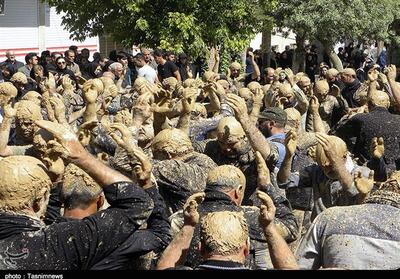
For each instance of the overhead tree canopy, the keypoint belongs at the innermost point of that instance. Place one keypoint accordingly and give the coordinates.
(331, 22)
(180, 25)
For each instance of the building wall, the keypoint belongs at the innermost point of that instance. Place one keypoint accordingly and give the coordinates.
(20, 30)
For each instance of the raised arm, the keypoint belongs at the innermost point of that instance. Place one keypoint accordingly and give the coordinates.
(256, 138)
(176, 252)
(75, 152)
(290, 145)
(281, 256)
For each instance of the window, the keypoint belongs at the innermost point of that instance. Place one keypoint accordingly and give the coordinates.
(2, 7)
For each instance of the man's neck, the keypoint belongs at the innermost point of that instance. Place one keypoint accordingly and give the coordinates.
(78, 213)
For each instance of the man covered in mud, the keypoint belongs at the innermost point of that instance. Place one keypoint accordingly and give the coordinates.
(25, 186)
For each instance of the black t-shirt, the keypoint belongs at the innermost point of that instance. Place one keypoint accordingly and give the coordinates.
(167, 70)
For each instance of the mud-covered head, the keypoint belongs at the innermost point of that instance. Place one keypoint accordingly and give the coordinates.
(293, 119)
(324, 162)
(285, 90)
(171, 143)
(378, 99)
(321, 90)
(224, 233)
(209, 76)
(331, 75)
(24, 185)
(79, 190)
(199, 111)
(227, 179)
(253, 86)
(140, 84)
(235, 69)
(7, 92)
(33, 96)
(231, 137)
(27, 113)
(19, 79)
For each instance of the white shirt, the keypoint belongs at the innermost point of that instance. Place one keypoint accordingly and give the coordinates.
(148, 73)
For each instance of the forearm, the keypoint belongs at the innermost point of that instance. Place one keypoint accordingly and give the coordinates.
(395, 87)
(318, 124)
(285, 170)
(100, 172)
(281, 256)
(184, 122)
(256, 73)
(215, 104)
(175, 253)
(76, 115)
(216, 67)
(255, 112)
(90, 113)
(4, 136)
(345, 178)
(256, 138)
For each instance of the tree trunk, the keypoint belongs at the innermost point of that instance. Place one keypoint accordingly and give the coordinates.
(266, 48)
(335, 60)
(299, 55)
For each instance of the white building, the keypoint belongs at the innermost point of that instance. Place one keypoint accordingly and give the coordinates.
(31, 26)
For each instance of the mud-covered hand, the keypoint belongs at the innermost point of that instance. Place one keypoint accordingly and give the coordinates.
(291, 142)
(364, 185)
(59, 109)
(126, 140)
(391, 72)
(329, 148)
(190, 214)
(314, 105)
(267, 209)
(263, 173)
(72, 148)
(377, 148)
(9, 111)
(238, 105)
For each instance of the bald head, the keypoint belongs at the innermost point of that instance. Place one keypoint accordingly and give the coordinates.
(224, 233)
(230, 127)
(379, 99)
(225, 178)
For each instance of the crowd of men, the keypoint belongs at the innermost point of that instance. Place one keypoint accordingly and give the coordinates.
(145, 162)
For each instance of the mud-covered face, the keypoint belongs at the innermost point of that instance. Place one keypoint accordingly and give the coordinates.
(233, 146)
(25, 128)
(146, 132)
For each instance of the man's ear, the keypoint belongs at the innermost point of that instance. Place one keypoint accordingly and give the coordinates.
(239, 191)
(100, 202)
(247, 247)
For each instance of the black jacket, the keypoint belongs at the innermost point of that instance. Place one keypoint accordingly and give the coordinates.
(27, 244)
(362, 128)
(155, 237)
(348, 93)
(217, 201)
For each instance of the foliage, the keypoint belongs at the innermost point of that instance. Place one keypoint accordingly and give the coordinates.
(192, 26)
(334, 21)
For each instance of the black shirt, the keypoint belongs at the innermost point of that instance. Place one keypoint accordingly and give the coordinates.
(167, 70)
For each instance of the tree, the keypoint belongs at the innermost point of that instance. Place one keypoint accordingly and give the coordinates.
(179, 25)
(331, 22)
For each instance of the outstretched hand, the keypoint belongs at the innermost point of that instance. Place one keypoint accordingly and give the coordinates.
(71, 147)
(191, 215)
(377, 148)
(267, 209)
(263, 173)
(364, 185)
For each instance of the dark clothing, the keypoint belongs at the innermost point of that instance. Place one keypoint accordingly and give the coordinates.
(183, 71)
(245, 162)
(179, 179)
(27, 244)
(364, 127)
(311, 65)
(220, 265)
(167, 70)
(217, 201)
(16, 65)
(348, 93)
(155, 237)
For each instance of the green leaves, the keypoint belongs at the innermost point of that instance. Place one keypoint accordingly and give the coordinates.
(192, 26)
(334, 21)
